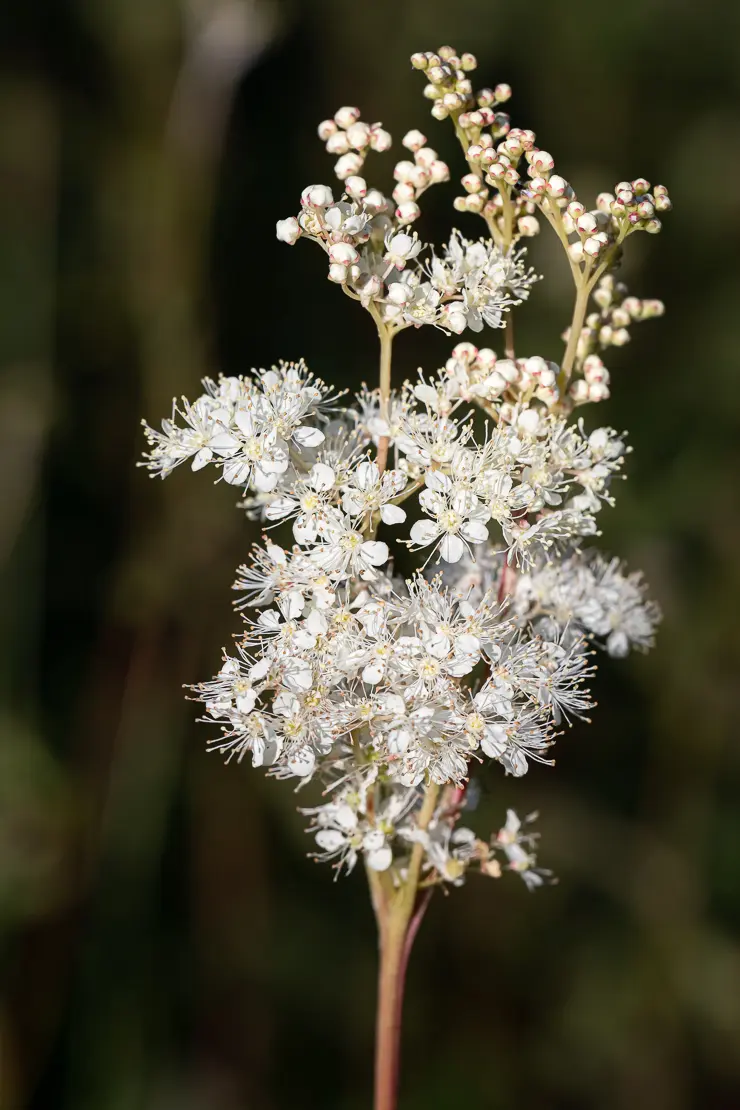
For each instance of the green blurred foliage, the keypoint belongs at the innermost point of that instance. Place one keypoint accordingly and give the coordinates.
(165, 943)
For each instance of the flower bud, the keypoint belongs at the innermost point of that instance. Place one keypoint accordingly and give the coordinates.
(599, 391)
(346, 116)
(511, 176)
(454, 318)
(398, 293)
(425, 156)
(439, 171)
(317, 196)
(338, 143)
(358, 135)
(645, 209)
(452, 101)
(579, 391)
(502, 92)
(663, 202)
(404, 170)
(372, 288)
(439, 111)
(595, 244)
(468, 62)
(419, 61)
(438, 75)
(653, 227)
(414, 140)
(528, 422)
(475, 202)
(640, 186)
(375, 201)
(403, 191)
(542, 160)
(575, 252)
(288, 231)
(356, 186)
(380, 140)
(349, 165)
(338, 273)
(407, 212)
(528, 226)
(620, 337)
(472, 183)
(557, 186)
(460, 204)
(430, 92)
(652, 308)
(604, 202)
(486, 98)
(586, 224)
(343, 253)
(464, 88)
(326, 128)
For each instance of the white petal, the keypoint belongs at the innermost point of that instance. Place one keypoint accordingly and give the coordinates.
(367, 475)
(245, 702)
(392, 514)
(474, 532)
(424, 532)
(244, 422)
(308, 437)
(297, 675)
(331, 840)
(202, 458)
(322, 476)
(379, 860)
(452, 549)
(375, 552)
(302, 763)
(436, 480)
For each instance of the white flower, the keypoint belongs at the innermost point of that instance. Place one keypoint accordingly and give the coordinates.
(368, 491)
(459, 519)
(288, 231)
(401, 248)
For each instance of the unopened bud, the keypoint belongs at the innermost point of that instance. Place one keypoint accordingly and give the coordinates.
(439, 111)
(404, 191)
(557, 186)
(346, 116)
(288, 231)
(586, 224)
(502, 92)
(407, 212)
(472, 183)
(337, 143)
(640, 186)
(653, 227)
(356, 187)
(349, 165)
(542, 160)
(419, 61)
(439, 171)
(528, 226)
(380, 140)
(358, 135)
(343, 253)
(326, 128)
(414, 140)
(338, 273)
(468, 62)
(486, 98)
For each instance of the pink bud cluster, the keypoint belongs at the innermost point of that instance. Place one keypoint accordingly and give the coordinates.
(352, 140)
(412, 178)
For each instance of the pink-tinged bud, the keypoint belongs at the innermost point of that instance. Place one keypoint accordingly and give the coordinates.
(575, 252)
(502, 92)
(468, 62)
(594, 369)
(399, 293)
(486, 98)
(317, 196)
(620, 337)
(326, 128)
(652, 308)
(453, 102)
(403, 171)
(288, 231)
(414, 140)
(476, 202)
(475, 119)
(472, 183)
(372, 287)
(464, 88)
(511, 176)
(430, 92)
(439, 171)
(349, 165)
(653, 227)
(604, 202)
(439, 75)
(595, 244)
(487, 118)
(625, 196)
(419, 177)
(488, 156)
(407, 212)
(557, 186)
(538, 186)
(380, 140)
(454, 318)
(663, 203)
(344, 253)
(621, 317)
(576, 209)
(463, 352)
(375, 201)
(419, 61)
(579, 391)
(528, 226)
(439, 111)
(425, 156)
(617, 208)
(640, 185)
(338, 273)
(599, 391)
(338, 143)
(346, 116)
(404, 191)
(358, 135)
(633, 306)
(645, 209)
(460, 204)
(542, 161)
(356, 187)
(586, 224)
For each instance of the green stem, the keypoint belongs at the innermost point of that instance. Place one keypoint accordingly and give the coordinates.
(386, 349)
(576, 327)
(397, 926)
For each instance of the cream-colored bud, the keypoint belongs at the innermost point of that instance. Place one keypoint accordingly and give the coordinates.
(356, 186)
(460, 204)
(288, 231)
(620, 337)
(338, 143)
(425, 156)
(414, 140)
(586, 224)
(403, 191)
(476, 202)
(486, 98)
(439, 171)
(380, 140)
(452, 101)
(502, 92)
(653, 227)
(528, 226)
(407, 212)
(343, 253)
(439, 111)
(645, 209)
(346, 116)
(557, 186)
(338, 273)
(431, 92)
(326, 128)
(464, 88)
(358, 135)
(472, 183)
(419, 61)
(404, 170)
(542, 160)
(349, 165)
(575, 251)
(604, 201)
(468, 62)
(640, 185)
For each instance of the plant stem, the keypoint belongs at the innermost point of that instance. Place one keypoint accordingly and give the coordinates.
(576, 327)
(386, 347)
(399, 918)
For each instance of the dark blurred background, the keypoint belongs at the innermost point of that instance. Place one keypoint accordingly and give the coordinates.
(164, 942)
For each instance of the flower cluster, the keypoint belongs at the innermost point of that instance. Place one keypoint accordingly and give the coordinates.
(389, 682)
